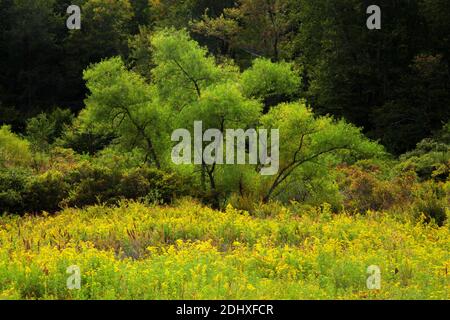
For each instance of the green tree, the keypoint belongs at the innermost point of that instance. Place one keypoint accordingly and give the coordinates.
(270, 82)
(306, 140)
(359, 74)
(419, 107)
(141, 57)
(106, 26)
(43, 130)
(179, 13)
(222, 107)
(183, 68)
(121, 100)
(194, 87)
(187, 85)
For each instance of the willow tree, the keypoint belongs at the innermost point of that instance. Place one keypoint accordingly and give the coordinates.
(309, 143)
(121, 100)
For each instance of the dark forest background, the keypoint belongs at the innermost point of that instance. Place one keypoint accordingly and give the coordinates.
(393, 82)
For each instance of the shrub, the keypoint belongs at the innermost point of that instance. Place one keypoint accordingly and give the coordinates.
(365, 187)
(12, 186)
(242, 202)
(69, 181)
(430, 160)
(92, 184)
(270, 209)
(14, 151)
(85, 139)
(45, 192)
(44, 129)
(431, 201)
(150, 182)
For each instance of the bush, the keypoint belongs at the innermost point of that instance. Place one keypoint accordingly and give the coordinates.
(14, 151)
(242, 202)
(366, 187)
(92, 184)
(430, 160)
(69, 181)
(85, 140)
(45, 192)
(150, 182)
(12, 186)
(44, 129)
(431, 201)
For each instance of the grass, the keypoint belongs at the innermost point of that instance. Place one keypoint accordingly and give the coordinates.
(192, 252)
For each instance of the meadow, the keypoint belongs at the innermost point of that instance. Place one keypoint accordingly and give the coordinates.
(188, 251)
(100, 198)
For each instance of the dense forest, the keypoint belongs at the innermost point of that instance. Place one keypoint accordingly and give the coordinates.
(87, 122)
(393, 82)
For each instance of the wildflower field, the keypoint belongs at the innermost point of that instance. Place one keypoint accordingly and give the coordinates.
(189, 251)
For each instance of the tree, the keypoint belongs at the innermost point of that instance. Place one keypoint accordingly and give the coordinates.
(222, 107)
(179, 13)
(188, 86)
(106, 26)
(141, 57)
(187, 81)
(122, 100)
(419, 107)
(270, 82)
(309, 140)
(43, 130)
(183, 68)
(257, 27)
(358, 74)
(30, 80)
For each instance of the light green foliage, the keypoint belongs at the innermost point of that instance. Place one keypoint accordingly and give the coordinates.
(187, 85)
(14, 151)
(183, 68)
(222, 107)
(318, 141)
(268, 81)
(193, 87)
(122, 100)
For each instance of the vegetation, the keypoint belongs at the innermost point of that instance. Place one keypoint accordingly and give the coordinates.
(86, 146)
(192, 252)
